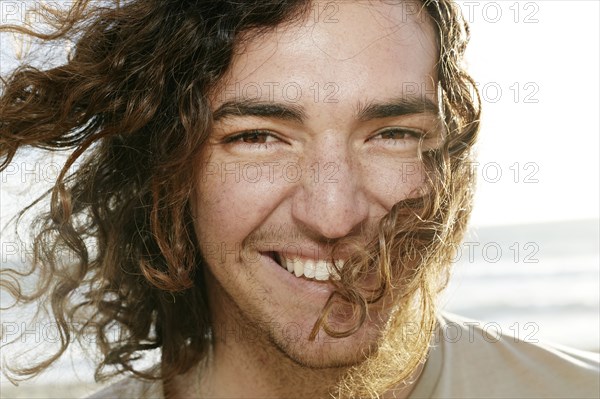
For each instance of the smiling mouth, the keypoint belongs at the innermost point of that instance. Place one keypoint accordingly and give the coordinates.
(314, 269)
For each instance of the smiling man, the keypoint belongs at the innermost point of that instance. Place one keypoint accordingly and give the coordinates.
(289, 171)
(269, 192)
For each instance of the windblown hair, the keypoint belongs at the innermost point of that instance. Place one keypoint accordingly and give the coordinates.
(131, 105)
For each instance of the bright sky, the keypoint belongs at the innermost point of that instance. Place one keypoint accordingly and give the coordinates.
(537, 63)
(544, 123)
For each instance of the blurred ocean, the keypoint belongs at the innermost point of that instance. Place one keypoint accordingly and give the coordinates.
(535, 282)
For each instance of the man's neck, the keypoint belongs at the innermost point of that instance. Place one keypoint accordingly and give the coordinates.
(244, 369)
(257, 368)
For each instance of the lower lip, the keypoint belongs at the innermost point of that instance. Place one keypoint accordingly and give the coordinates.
(300, 283)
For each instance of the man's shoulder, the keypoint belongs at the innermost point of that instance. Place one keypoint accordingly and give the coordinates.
(473, 340)
(130, 387)
(480, 359)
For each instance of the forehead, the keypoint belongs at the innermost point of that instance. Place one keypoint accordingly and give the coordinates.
(353, 50)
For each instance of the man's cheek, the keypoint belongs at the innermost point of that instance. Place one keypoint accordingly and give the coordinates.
(210, 251)
(223, 253)
(410, 173)
(224, 259)
(210, 170)
(398, 181)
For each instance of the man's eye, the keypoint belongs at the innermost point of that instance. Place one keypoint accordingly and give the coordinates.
(252, 137)
(399, 134)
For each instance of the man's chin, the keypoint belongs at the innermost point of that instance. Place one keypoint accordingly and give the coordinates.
(330, 353)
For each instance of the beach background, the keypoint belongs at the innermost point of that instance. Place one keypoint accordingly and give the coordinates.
(529, 266)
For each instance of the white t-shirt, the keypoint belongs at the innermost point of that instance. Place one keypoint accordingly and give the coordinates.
(468, 359)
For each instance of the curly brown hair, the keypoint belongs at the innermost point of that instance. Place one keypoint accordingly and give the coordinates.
(131, 104)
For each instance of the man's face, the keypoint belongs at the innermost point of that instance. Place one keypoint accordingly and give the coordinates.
(315, 138)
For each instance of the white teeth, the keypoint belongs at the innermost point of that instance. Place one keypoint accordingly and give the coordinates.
(321, 272)
(298, 267)
(309, 268)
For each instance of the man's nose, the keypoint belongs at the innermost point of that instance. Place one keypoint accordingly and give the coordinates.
(331, 201)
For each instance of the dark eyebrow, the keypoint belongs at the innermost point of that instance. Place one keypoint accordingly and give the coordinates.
(400, 106)
(289, 112)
